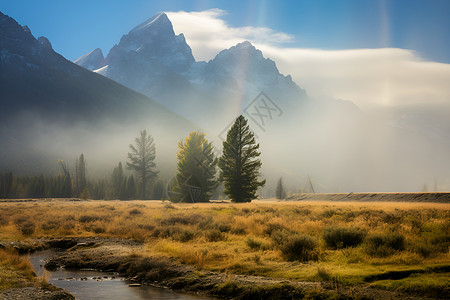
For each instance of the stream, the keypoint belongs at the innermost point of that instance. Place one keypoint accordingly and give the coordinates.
(89, 284)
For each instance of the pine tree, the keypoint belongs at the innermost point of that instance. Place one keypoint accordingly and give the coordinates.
(159, 190)
(65, 184)
(116, 180)
(80, 175)
(196, 175)
(239, 164)
(98, 189)
(123, 189)
(142, 160)
(6, 182)
(131, 188)
(280, 192)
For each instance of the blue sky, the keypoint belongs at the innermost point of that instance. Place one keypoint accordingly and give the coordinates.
(77, 27)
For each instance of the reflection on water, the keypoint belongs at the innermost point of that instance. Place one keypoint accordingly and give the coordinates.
(100, 285)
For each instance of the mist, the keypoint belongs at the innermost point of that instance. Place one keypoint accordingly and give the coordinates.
(54, 109)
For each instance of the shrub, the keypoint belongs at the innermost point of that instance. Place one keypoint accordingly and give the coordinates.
(253, 244)
(385, 244)
(295, 246)
(238, 229)
(323, 273)
(182, 219)
(27, 228)
(436, 236)
(50, 224)
(88, 218)
(4, 220)
(328, 213)
(423, 250)
(185, 236)
(95, 228)
(135, 212)
(271, 227)
(223, 227)
(340, 237)
(214, 235)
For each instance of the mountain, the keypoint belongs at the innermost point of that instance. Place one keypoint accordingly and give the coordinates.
(330, 140)
(243, 69)
(92, 60)
(52, 108)
(153, 60)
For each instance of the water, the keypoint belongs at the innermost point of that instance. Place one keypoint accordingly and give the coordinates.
(87, 284)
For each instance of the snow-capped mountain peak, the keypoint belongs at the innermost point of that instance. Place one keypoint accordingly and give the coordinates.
(244, 68)
(92, 60)
(158, 20)
(155, 39)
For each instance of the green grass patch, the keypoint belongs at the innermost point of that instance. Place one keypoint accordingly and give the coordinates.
(434, 285)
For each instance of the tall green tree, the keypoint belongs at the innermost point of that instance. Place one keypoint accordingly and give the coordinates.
(280, 192)
(65, 181)
(239, 164)
(131, 188)
(6, 183)
(117, 178)
(197, 164)
(142, 160)
(80, 175)
(123, 193)
(159, 191)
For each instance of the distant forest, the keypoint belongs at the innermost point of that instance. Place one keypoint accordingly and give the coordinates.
(197, 179)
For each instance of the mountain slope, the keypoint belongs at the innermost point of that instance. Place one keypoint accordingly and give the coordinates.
(50, 106)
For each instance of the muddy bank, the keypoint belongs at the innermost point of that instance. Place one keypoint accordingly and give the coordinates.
(35, 293)
(381, 197)
(121, 256)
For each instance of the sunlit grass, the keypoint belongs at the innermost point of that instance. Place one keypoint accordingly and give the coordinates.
(15, 271)
(249, 238)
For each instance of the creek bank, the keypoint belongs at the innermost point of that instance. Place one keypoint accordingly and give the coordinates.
(116, 255)
(120, 256)
(36, 293)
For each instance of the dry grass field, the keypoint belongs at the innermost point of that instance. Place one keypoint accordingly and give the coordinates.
(387, 245)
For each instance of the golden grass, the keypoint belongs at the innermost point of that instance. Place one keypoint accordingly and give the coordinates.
(15, 271)
(214, 236)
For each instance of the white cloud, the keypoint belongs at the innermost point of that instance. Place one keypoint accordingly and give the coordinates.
(368, 77)
(208, 34)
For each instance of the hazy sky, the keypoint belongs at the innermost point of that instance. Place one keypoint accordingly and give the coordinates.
(77, 26)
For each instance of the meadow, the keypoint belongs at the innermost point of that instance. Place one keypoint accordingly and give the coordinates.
(398, 246)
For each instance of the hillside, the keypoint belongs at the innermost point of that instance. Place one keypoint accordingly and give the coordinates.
(51, 108)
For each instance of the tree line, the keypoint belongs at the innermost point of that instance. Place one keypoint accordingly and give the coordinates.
(200, 172)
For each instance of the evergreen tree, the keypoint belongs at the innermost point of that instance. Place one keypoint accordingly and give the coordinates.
(116, 180)
(142, 160)
(280, 192)
(239, 164)
(80, 175)
(123, 189)
(6, 183)
(196, 169)
(131, 188)
(98, 189)
(65, 184)
(159, 190)
(40, 186)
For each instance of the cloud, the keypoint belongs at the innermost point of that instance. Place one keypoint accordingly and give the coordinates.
(369, 77)
(385, 77)
(207, 33)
